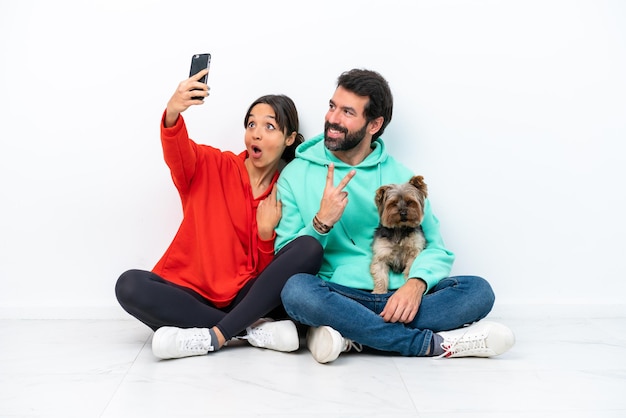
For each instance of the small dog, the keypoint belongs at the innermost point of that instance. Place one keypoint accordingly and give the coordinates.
(399, 237)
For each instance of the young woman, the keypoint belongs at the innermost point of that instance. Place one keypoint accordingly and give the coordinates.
(219, 279)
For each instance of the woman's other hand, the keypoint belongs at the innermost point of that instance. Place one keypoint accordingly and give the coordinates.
(268, 215)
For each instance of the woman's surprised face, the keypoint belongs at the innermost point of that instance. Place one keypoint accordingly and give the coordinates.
(265, 140)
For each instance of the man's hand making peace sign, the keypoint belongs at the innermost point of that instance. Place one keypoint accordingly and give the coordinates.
(334, 199)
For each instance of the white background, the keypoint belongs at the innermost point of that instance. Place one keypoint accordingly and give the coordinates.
(514, 111)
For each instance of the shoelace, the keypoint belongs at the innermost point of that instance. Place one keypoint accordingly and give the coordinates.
(477, 343)
(349, 345)
(196, 342)
(261, 336)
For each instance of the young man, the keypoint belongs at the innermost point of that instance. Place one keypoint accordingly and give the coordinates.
(328, 192)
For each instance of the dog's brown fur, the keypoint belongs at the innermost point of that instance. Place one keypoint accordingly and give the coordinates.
(399, 238)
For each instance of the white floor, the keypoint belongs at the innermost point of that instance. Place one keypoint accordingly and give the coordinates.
(560, 367)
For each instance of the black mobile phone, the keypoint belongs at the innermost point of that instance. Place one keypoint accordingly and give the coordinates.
(198, 63)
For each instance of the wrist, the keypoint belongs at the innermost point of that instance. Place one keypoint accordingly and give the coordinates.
(170, 119)
(418, 281)
(321, 227)
(266, 235)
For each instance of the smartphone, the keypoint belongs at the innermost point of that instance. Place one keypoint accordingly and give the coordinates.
(198, 63)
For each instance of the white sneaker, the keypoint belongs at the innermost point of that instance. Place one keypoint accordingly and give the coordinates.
(482, 339)
(172, 342)
(275, 335)
(325, 344)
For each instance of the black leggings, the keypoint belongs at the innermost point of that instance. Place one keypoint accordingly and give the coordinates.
(157, 302)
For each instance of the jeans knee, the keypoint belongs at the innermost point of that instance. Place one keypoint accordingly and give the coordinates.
(486, 291)
(294, 290)
(287, 293)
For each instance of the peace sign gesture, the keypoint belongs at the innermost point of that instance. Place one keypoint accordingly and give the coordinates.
(334, 199)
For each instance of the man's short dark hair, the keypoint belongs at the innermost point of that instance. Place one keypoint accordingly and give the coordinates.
(367, 83)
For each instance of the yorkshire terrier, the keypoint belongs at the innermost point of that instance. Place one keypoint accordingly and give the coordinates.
(399, 237)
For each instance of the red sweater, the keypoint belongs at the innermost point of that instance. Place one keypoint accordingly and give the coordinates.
(216, 249)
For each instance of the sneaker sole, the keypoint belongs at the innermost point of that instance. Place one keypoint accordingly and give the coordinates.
(324, 337)
(159, 349)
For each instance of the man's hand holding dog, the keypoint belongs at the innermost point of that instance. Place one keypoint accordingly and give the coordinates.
(403, 305)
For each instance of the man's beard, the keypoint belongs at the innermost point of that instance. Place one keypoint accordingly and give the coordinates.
(351, 140)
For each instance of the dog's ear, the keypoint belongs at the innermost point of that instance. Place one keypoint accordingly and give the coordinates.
(380, 196)
(418, 183)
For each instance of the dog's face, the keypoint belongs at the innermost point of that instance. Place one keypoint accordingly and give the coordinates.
(402, 204)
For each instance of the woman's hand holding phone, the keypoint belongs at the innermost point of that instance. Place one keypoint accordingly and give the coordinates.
(191, 91)
(199, 63)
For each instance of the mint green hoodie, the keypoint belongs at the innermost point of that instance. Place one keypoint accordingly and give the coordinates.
(347, 247)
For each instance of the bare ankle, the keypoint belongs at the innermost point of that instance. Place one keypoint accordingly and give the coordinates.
(220, 337)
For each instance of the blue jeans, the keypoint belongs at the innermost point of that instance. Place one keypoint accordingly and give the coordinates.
(452, 303)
